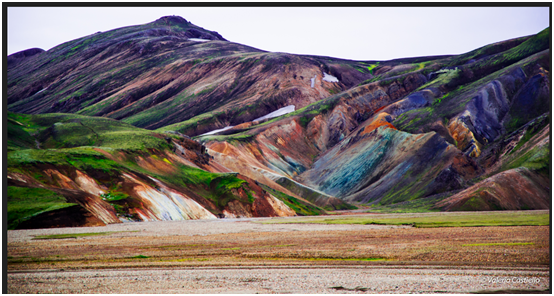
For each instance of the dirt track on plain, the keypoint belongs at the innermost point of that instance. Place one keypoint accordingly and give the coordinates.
(246, 256)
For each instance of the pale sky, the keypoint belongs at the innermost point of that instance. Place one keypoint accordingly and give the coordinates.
(358, 33)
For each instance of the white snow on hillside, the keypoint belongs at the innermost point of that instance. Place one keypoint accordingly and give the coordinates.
(218, 130)
(276, 113)
(330, 78)
(199, 39)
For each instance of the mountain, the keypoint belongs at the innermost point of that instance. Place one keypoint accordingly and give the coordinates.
(99, 129)
(417, 130)
(74, 170)
(154, 75)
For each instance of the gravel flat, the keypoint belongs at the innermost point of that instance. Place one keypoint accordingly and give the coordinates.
(278, 280)
(190, 227)
(247, 256)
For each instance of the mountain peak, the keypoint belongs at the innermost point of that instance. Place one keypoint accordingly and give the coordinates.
(191, 30)
(174, 19)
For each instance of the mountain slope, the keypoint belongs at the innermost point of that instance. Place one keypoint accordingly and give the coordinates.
(274, 134)
(354, 145)
(155, 74)
(73, 170)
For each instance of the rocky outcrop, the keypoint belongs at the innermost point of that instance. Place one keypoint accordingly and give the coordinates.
(496, 107)
(485, 112)
(464, 138)
(531, 99)
(162, 202)
(527, 146)
(319, 133)
(480, 123)
(416, 100)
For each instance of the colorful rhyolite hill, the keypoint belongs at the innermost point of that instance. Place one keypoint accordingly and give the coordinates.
(169, 121)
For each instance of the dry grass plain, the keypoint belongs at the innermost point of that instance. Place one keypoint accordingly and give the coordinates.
(228, 246)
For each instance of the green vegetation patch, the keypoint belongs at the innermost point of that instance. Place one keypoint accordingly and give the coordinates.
(58, 130)
(444, 76)
(498, 244)
(188, 175)
(193, 122)
(141, 257)
(240, 137)
(526, 218)
(533, 45)
(104, 133)
(222, 186)
(216, 187)
(537, 159)
(229, 182)
(132, 140)
(490, 49)
(345, 259)
(113, 196)
(179, 96)
(278, 246)
(529, 133)
(18, 137)
(371, 67)
(82, 158)
(420, 205)
(25, 203)
(366, 259)
(70, 235)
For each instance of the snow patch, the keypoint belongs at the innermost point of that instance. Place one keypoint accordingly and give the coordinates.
(218, 130)
(313, 81)
(199, 39)
(38, 92)
(277, 113)
(329, 78)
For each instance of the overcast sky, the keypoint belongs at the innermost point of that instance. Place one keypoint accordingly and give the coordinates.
(360, 33)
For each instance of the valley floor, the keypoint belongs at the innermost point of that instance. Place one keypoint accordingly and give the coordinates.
(265, 255)
(269, 280)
